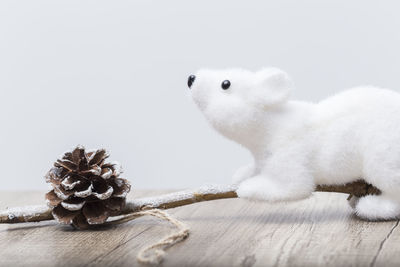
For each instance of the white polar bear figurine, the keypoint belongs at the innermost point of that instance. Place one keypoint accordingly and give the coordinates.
(296, 145)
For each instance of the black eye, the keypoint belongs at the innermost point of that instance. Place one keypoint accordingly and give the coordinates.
(191, 80)
(226, 84)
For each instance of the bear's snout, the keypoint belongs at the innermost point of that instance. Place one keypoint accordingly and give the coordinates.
(191, 80)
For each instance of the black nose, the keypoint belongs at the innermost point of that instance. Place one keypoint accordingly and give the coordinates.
(191, 80)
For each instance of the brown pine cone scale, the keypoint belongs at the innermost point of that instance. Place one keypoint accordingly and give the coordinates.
(86, 189)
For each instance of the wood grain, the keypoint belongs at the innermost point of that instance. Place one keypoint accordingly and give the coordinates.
(320, 230)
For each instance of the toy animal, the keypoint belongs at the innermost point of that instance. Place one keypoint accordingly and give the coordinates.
(297, 145)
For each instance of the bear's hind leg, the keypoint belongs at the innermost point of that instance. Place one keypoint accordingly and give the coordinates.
(378, 207)
(381, 168)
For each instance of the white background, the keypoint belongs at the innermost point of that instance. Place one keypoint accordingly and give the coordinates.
(113, 74)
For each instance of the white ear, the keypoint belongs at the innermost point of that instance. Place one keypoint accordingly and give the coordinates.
(273, 87)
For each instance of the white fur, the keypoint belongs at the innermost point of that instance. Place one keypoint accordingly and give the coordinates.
(296, 145)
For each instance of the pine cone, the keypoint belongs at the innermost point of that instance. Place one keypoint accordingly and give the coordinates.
(86, 190)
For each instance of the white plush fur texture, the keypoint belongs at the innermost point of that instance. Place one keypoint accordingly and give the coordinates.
(296, 145)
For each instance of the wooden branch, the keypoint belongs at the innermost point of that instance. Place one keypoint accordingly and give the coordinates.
(178, 199)
(26, 214)
(358, 189)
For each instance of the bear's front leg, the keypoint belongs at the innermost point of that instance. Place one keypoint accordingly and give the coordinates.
(279, 180)
(243, 173)
(266, 189)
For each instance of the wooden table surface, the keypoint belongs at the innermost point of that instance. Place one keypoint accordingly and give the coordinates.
(233, 232)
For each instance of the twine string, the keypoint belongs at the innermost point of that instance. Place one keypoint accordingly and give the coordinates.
(154, 254)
